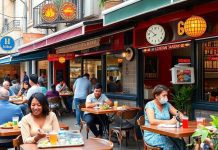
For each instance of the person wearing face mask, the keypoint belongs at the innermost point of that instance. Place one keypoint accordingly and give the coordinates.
(157, 112)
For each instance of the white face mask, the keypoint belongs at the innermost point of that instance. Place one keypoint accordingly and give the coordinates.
(163, 100)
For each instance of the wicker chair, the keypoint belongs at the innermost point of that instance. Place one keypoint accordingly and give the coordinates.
(140, 122)
(55, 105)
(17, 142)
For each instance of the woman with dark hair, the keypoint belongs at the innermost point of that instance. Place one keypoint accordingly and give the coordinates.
(24, 89)
(52, 92)
(39, 121)
(157, 112)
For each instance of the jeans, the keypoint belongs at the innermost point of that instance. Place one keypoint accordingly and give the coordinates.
(79, 114)
(92, 120)
(24, 108)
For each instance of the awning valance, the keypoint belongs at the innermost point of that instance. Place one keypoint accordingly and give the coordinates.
(5, 59)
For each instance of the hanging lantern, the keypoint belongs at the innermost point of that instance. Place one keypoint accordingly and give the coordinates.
(61, 60)
(195, 26)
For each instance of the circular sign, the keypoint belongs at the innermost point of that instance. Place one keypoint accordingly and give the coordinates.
(7, 43)
(49, 12)
(61, 60)
(155, 34)
(68, 11)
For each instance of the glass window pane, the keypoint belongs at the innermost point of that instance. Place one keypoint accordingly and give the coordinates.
(210, 70)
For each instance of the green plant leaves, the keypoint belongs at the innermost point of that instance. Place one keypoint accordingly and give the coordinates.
(214, 121)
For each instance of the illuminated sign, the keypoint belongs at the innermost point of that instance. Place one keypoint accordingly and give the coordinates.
(68, 11)
(49, 12)
(61, 57)
(194, 26)
(184, 60)
(62, 60)
(168, 47)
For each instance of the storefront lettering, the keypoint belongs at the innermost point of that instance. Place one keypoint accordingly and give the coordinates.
(167, 47)
(56, 57)
(79, 46)
(180, 28)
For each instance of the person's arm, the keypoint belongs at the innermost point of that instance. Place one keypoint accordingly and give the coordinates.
(89, 103)
(107, 100)
(25, 132)
(154, 121)
(173, 111)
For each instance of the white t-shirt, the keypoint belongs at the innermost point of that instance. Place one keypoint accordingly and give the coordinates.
(34, 89)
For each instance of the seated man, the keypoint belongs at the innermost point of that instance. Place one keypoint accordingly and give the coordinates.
(8, 110)
(6, 85)
(93, 100)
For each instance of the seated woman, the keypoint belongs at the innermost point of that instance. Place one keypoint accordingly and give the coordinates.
(52, 92)
(39, 121)
(158, 111)
(24, 89)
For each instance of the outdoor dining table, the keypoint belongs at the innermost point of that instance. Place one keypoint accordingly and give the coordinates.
(111, 110)
(15, 132)
(90, 144)
(172, 132)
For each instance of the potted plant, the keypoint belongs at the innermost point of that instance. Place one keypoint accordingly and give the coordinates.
(182, 95)
(208, 136)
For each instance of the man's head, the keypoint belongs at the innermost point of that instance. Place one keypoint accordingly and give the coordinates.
(33, 79)
(61, 81)
(24, 72)
(6, 85)
(111, 78)
(98, 90)
(86, 75)
(4, 94)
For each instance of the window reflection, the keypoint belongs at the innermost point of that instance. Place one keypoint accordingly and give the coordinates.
(114, 73)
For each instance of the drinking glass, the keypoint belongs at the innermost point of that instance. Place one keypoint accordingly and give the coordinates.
(53, 138)
(185, 121)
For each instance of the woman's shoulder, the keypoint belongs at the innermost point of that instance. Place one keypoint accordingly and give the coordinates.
(150, 104)
(27, 118)
(51, 114)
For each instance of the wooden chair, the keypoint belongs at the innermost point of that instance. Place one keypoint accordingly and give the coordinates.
(17, 142)
(55, 105)
(83, 123)
(124, 123)
(140, 122)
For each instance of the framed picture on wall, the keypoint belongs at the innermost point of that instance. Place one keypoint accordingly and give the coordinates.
(151, 67)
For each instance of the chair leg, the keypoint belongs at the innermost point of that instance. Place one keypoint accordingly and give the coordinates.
(127, 137)
(87, 132)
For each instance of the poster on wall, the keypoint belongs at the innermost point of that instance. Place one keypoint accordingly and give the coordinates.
(182, 75)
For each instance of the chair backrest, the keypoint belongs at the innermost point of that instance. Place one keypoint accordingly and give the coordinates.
(82, 105)
(17, 142)
(54, 99)
(141, 120)
(128, 114)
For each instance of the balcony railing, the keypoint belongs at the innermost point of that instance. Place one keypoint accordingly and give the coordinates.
(14, 24)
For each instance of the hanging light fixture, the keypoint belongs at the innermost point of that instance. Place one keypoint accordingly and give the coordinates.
(195, 26)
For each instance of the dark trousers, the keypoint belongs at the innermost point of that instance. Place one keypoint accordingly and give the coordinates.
(92, 120)
(68, 101)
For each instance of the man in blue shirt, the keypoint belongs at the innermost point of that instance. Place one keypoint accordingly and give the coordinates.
(8, 110)
(82, 87)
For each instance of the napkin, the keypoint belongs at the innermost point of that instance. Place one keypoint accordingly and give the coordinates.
(167, 125)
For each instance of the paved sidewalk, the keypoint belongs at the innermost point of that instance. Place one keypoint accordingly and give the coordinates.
(70, 120)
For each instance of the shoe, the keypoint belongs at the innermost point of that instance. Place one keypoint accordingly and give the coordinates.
(77, 125)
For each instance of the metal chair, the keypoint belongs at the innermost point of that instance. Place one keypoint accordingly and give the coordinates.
(140, 122)
(55, 105)
(126, 123)
(17, 142)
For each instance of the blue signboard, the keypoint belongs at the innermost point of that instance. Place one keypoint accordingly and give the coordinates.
(7, 43)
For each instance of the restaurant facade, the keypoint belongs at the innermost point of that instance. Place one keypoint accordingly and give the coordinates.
(181, 34)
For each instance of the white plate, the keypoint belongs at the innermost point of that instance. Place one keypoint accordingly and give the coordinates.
(96, 107)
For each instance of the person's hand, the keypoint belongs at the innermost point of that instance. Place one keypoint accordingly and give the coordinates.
(40, 135)
(173, 120)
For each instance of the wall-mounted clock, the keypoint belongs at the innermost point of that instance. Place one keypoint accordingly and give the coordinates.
(155, 34)
(129, 54)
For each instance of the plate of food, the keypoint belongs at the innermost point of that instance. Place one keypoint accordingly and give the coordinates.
(8, 125)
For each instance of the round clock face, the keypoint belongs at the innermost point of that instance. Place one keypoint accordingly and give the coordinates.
(155, 34)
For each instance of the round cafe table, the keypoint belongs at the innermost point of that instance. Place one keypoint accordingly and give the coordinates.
(90, 144)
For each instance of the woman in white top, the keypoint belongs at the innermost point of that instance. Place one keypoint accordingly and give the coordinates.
(39, 121)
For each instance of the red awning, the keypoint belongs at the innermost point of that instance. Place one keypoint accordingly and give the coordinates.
(76, 30)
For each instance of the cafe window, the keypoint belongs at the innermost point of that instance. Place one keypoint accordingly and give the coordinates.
(114, 73)
(209, 54)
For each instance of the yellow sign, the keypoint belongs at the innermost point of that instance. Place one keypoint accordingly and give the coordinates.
(49, 12)
(62, 60)
(194, 26)
(68, 11)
